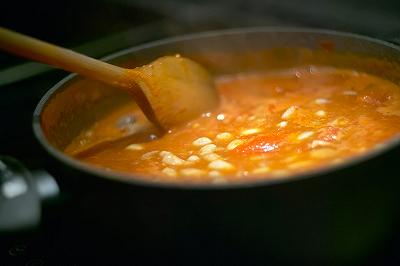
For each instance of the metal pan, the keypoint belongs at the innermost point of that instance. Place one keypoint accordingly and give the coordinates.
(334, 215)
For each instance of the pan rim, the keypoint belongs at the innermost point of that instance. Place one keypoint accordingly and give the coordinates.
(138, 180)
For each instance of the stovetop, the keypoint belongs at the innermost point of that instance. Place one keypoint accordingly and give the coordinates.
(106, 26)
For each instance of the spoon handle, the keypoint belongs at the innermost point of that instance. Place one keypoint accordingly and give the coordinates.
(66, 59)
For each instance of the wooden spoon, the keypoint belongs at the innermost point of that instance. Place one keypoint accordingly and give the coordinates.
(170, 91)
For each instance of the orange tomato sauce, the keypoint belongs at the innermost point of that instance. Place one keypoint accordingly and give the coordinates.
(268, 126)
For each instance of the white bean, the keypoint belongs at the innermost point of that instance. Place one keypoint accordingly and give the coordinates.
(289, 112)
(165, 153)
(224, 136)
(234, 143)
(149, 155)
(305, 134)
(321, 101)
(282, 124)
(320, 113)
(193, 158)
(135, 147)
(250, 131)
(316, 143)
(211, 157)
(169, 171)
(172, 159)
(192, 172)
(202, 141)
(209, 148)
(220, 165)
(220, 117)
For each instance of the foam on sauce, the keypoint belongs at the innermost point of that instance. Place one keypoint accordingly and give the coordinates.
(268, 126)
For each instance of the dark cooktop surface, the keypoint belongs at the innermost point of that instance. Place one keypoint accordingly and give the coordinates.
(101, 27)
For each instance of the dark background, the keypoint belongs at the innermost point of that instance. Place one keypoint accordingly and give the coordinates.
(98, 28)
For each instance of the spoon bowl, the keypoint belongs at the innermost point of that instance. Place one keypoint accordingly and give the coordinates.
(177, 88)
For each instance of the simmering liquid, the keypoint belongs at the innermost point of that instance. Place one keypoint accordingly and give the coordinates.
(268, 126)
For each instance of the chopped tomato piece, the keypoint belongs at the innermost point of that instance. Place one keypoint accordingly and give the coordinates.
(374, 96)
(272, 108)
(328, 134)
(261, 144)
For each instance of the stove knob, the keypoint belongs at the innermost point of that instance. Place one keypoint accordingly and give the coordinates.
(19, 200)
